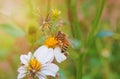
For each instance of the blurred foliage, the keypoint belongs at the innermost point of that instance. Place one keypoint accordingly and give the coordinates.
(12, 30)
(103, 58)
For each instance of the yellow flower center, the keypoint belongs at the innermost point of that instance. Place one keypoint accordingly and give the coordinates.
(34, 65)
(51, 42)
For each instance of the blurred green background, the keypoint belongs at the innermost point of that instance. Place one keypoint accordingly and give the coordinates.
(102, 61)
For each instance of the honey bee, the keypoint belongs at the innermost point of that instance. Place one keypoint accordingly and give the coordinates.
(63, 41)
(45, 23)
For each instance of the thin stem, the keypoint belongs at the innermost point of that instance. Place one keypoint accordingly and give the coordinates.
(96, 22)
(70, 16)
(73, 18)
(32, 47)
(48, 6)
(31, 7)
(88, 42)
(80, 67)
(76, 22)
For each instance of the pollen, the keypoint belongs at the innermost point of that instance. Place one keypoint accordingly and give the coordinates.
(51, 42)
(34, 65)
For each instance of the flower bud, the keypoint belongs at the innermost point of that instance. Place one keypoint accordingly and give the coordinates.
(32, 32)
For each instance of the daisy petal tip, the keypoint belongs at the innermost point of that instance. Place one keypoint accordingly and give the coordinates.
(25, 58)
(20, 76)
(61, 58)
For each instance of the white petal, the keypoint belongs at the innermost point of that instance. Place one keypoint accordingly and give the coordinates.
(41, 76)
(44, 54)
(40, 50)
(25, 58)
(21, 75)
(50, 69)
(22, 69)
(59, 56)
(22, 72)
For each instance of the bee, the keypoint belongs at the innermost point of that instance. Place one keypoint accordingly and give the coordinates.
(45, 23)
(63, 41)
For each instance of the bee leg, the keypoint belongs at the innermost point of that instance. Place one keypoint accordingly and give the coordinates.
(66, 53)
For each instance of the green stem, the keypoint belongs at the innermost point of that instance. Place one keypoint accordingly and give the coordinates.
(80, 66)
(70, 16)
(32, 47)
(89, 40)
(48, 6)
(73, 18)
(76, 22)
(31, 7)
(96, 22)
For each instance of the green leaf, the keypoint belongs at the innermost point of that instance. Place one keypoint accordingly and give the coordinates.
(12, 30)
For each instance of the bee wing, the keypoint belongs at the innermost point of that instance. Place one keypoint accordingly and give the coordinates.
(70, 42)
(75, 43)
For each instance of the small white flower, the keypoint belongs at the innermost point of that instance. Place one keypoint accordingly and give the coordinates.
(39, 64)
(51, 43)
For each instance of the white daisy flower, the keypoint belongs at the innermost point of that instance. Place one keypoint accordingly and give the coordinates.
(39, 64)
(52, 43)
